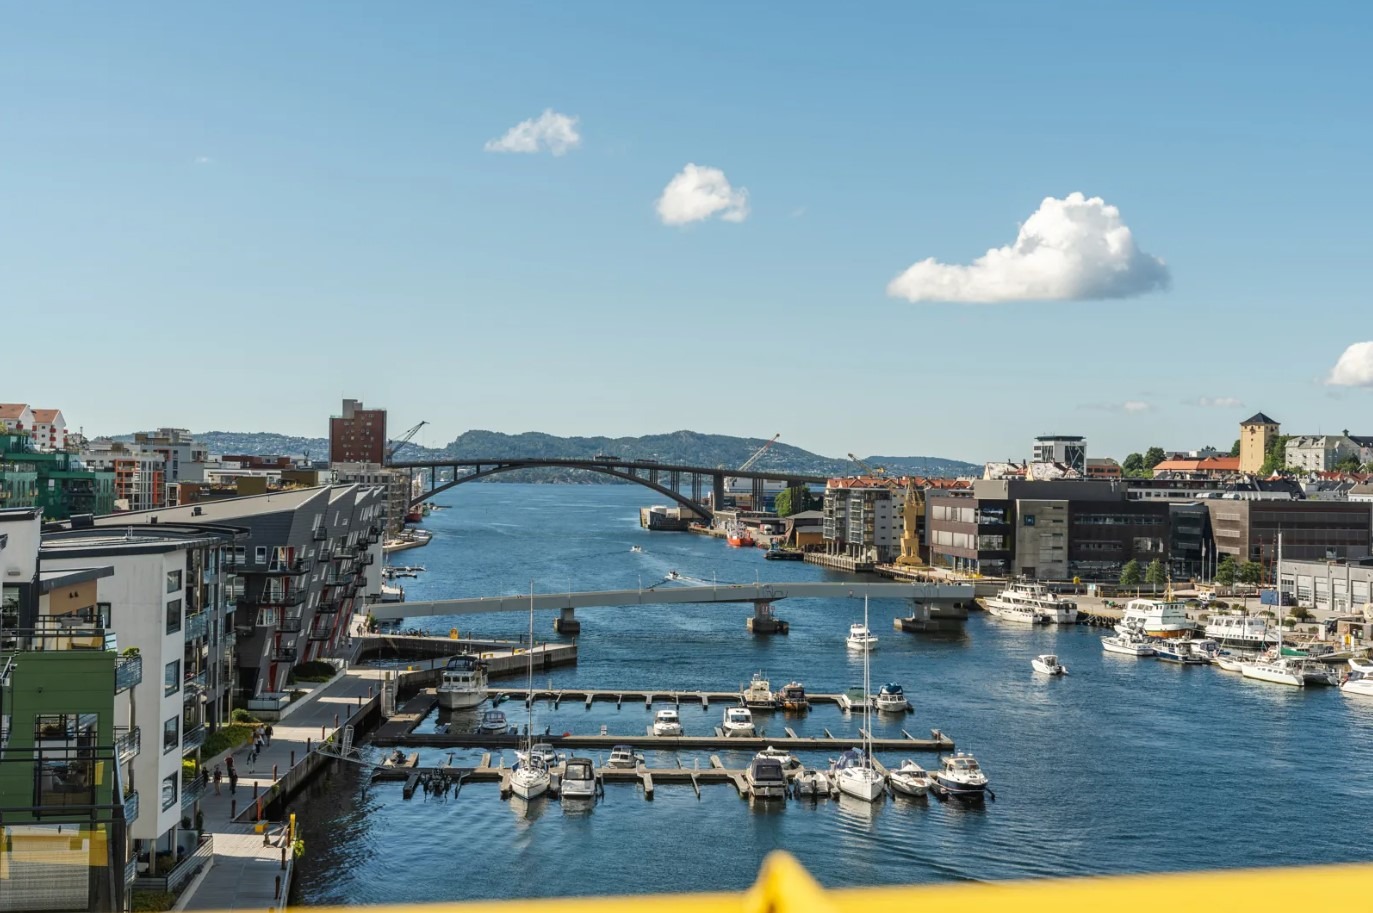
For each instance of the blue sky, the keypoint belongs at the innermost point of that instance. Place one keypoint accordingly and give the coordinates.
(232, 216)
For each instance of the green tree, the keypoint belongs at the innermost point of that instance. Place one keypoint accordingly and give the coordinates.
(1235, 450)
(1226, 572)
(1133, 465)
(1130, 576)
(1153, 456)
(1349, 464)
(1275, 457)
(1251, 572)
(792, 501)
(1154, 574)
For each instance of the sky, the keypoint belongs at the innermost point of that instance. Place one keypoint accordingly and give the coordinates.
(929, 229)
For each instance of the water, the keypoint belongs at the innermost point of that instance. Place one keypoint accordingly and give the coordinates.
(1124, 765)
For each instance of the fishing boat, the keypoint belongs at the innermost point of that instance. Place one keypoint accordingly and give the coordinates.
(739, 536)
(858, 775)
(738, 721)
(892, 698)
(960, 775)
(1048, 664)
(793, 697)
(1128, 644)
(493, 722)
(667, 723)
(1179, 651)
(531, 777)
(1031, 603)
(766, 779)
(860, 638)
(1241, 632)
(1164, 618)
(579, 780)
(758, 695)
(463, 683)
(910, 779)
(623, 757)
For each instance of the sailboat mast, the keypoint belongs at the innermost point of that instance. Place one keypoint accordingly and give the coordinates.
(867, 683)
(529, 692)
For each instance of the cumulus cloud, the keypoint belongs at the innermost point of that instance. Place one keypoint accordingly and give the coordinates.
(1355, 367)
(1074, 248)
(1217, 402)
(697, 193)
(552, 131)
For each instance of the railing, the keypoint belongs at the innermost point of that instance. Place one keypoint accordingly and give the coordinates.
(327, 607)
(289, 625)
(268, 598)
(131, 806)
(335, 578)
(130, 871)
(317, 634)
(128, 741)
(197, 625)
(191, 790)
(284, 654)
(128, 672)
(320, 533)
(199, 681)
(173, 881)
(193, 738)
(293, 568)
(367, 558)
(341, 553)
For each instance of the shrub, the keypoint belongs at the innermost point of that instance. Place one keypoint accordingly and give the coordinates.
(153, 901)
(315, 671)
(242, 716)
(189, 768)
(226, 737)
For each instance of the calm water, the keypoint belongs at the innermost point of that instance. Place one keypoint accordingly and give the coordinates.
(1124, 765)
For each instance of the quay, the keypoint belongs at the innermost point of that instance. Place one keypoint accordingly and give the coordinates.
(840, 562)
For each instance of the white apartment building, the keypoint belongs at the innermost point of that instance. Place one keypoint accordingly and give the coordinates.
(864, 518)
(1319, 453)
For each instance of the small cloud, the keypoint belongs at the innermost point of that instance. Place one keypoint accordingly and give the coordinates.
(1355, 367)
(1216, 402)
(1070, 249)
(1129, 407)
(203, 160)
(550, 130)
(1134, 405)
(697, 193)
(798, 212)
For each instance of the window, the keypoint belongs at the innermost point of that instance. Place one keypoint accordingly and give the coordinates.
(171, 734)
(260, 555)
(66, 772)
(169, 786)
(171, 678)
(174, 616)
(173, 581)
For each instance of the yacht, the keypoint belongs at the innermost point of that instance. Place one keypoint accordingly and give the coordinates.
(579, 779)
(892, 698)
(623, 757)
(1031, 603)
(463, 684)
(1229, 662)
(758, 694)
(1156, 618)
(1360, 665)
(1242, 632)
(667, 722)
(781, 756)
(1180, 651)
(910, 779)
(1128, 644)
(1048, 664)
(961, 775)
(531, 776)
(793, 697)
(766, 779)
(544, 752)
(856, 773)
(1278, 671)
(738, 721)
(860, 638)
(493, 722)
(1360, 683)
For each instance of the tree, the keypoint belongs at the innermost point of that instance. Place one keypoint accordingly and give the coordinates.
(1251, 572)
(1154, 574)
(1130, 576)
(1153, 456)
(1235, 450)
(792, 501)
(1275, 457)
(1226, 571)
(1349, 464)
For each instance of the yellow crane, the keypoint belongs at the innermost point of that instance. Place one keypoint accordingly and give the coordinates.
(870, 470)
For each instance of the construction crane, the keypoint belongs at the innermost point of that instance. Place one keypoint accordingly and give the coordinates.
(757, 454)
(404, 439)
(870, 470)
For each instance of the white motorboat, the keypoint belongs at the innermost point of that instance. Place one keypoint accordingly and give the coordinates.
(493, 722)
(738, 721)
(1048, 664)
(1128, 644)
(1358, 683)
(960, 775)
(623, 757)
(667, 722)
(1229, 662)
(544, 752)
(1278, 671)
(463, 683)
(758, 695)
(579, 779)
(1031, 603)
(860, 638)
(766, 779)
(892, 698)
(855, 773)
(1180, 651)
(531, 776)
(1360, 665)
(910, 779)
(781, 756)
(636, 548)
(812, 783)
(1156, 618)
(1241, 632)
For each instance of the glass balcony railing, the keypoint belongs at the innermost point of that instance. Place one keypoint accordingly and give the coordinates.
(193, 738)
(284, 654)
(327, 607)
(191, 790)
(131, 806)
(128, 672)
(197, 625)
(289, 625)
(198, 682)
(127, 742)
(320, 633)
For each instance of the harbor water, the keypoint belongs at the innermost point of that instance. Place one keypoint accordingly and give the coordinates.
(1123, 765)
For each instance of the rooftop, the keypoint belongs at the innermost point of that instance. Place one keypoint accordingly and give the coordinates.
(1258, 418)
(56, 579)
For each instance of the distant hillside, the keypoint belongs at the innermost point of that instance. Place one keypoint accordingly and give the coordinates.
(684, 447)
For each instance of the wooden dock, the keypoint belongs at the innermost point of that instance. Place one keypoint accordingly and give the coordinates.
(649, 697)
(645, 777)
(937, 742)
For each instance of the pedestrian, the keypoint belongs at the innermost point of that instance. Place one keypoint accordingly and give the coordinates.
(233, 781)
(219, 776)
(252, 760)
(268, 733)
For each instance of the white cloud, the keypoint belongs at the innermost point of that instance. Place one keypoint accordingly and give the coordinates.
(1075, 248)
(1134, 405)
(550, 130)
(1217, 402)
(1129, 407)
(1355, 367)
(203, 160)
(698, 193)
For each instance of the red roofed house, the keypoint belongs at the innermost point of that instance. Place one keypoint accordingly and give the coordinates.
(49, 429)
(16, 417)
(1210, 468)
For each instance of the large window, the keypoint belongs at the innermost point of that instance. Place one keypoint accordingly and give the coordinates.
(65, 770)
(173, 581)
(171, 734)
(171, 678)
(174, 616)
(169, 785)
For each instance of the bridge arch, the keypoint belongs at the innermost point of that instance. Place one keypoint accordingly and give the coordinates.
(483, 472)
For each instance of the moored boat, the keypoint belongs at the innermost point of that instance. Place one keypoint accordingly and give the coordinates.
(891, 697)
(624, 757)
(463, 683)
(960, 775)
(1163, 618)
(910, 779)
(781, 756)
(1128, 644)
(766, 779)
(667, 723)
(1240, 631)
(738, 721)
(793, 697)
(1358, 683)
(758, 694)
(493, 722)
(1179, 651)
(579, 779)
(1031, 603)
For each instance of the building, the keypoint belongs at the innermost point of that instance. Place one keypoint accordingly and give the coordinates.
(61, 484)
(1311, 530)
(396, 482)
(139, 475)
(1069, 450)
(183, 458)
(1342, 587)
(358, 435)
(1210, 467)
(1319, 453)
(16, 417)
(1103, 468)
(49, 429)
(864, 517)
(1257, 434)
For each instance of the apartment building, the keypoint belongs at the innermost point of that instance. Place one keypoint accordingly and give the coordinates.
(57, 481)
(183, 458)
(1311, 530)
(139, 475)
(864, 517)
(1320, 452)
(358, 435)
(396, 482)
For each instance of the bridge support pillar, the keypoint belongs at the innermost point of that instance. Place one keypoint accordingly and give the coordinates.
(566, 622)
(764, 621)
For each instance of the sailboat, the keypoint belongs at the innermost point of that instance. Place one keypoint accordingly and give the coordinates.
(1279, 670)
(855, 772)
(531, 776)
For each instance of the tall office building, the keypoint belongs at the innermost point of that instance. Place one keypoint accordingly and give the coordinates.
(358, 435)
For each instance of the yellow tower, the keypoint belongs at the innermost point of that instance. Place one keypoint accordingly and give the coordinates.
(1256, 434)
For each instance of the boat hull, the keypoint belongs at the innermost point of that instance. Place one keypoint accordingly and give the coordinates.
(528, 787)
(733, 731)
(860, 645)
(578, 789)
(1275, 676)
(1361, 687)
(1045, 669)
(460, 700)
(909, 786)
(893, 706)
(867, 788)
(959, 788)
(1126, 649)
(660, 729)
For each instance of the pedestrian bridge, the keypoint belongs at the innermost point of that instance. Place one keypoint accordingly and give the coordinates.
(762, 595)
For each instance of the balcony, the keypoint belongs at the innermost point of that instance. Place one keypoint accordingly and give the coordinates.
(320, 533)
(131, 806)
(320, 634)
(284, 654)
(127, 743)
(268, 598)
(341, 553)
(193, 738)
(128, 672)
(197, 625)
(327, 607)
(191, 790)
(174, 881)
(289, 625)
(198, 683)
(334, 578)
(295, 568)
(367, 558)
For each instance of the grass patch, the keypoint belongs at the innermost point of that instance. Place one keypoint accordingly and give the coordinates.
(152, 901)
(227, 737)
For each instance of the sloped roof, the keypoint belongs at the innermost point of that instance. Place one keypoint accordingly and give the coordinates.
(1210, 464)
(46, 415)
(1258, 418)
(12, 410)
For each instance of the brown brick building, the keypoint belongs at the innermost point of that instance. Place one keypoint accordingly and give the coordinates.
(358, 435)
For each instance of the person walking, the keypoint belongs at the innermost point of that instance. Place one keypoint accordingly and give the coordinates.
(219, 776)
(252, 759)
(267, 732)
(233, 781)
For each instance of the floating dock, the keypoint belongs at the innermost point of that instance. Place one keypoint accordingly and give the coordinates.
(649, 697)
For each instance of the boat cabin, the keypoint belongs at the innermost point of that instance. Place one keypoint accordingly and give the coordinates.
(667, 716)
(579, 769)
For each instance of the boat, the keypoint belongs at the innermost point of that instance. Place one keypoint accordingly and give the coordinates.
(1156, 618)
(781, 756)
(531, 776)
(1358, 683)
(1048, 664)
(860, 638)
(1031, 603)
(493, 722)
(852, 699)
(793, 697)
(544, 752)
(739, 536)
(738, 721)
(623, 757)
(1128, 644)
(667, 722)
(1179, 651)
(758, 695)
(766, 779)
(1229, 662)
(579, 780)
(960, 775)
(1360, 665)
(858, 776)
(414, 514)
(636, 548)
(673, 575)
(1279, 671)
(1242, 632)
(812, 782)
(784, 554)
(463, 683)
(910, 779)
(892, 698)
(391, 593)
